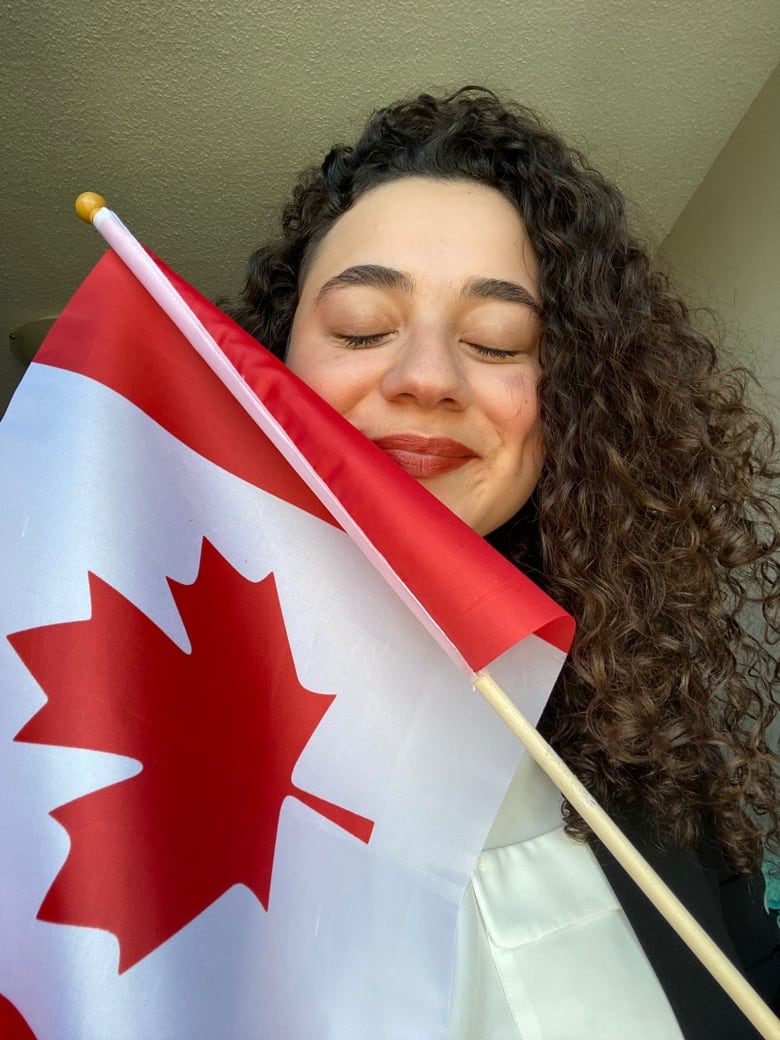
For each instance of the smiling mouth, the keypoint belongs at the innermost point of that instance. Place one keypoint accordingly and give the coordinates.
(425, 456)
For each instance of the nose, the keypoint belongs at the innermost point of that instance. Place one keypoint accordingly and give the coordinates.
(426, 369)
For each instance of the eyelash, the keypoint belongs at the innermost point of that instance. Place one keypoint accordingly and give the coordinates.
(490, 352)
(363, 341)
(356, 342)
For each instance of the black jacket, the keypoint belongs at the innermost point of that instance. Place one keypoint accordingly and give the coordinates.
(730, 908)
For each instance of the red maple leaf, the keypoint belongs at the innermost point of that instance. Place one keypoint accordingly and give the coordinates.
(13, 1025)
(218, 732)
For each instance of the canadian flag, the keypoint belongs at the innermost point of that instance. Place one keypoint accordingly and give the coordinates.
(242, 789)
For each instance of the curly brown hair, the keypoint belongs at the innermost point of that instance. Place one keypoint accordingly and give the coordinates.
(654, 521)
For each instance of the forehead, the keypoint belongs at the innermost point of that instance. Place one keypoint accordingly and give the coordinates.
(451, 229)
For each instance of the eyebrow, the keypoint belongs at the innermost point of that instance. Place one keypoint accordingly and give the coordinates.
(368, 274)
(498, 289)
(388, 278)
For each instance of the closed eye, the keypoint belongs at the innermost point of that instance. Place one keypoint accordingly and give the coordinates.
(370, 340)
(495, 354)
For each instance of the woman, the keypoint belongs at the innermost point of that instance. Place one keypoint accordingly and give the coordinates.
(462, 287)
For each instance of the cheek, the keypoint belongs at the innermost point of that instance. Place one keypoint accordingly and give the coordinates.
(306, 361)
(299, 358)
(313, 376)
(532, 453)
(327, 375)
(518, 422)
(535, 452)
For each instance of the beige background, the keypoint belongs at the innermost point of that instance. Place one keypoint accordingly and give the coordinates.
(725, 247)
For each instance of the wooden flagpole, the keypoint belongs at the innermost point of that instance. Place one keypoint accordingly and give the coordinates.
(656, 890)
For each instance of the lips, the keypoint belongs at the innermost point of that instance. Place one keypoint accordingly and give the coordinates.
(425, 456)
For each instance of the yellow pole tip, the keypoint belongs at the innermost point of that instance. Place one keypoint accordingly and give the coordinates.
(87, 205)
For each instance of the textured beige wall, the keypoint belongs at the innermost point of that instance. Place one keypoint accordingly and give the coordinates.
(724, 249)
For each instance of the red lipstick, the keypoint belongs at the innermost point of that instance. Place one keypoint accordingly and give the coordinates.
(425, 456)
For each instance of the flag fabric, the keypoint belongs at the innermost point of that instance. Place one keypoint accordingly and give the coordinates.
(241, 788)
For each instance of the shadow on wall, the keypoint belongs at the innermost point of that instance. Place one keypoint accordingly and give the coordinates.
(23, 344)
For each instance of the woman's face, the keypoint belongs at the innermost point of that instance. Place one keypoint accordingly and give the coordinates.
(418, 322)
